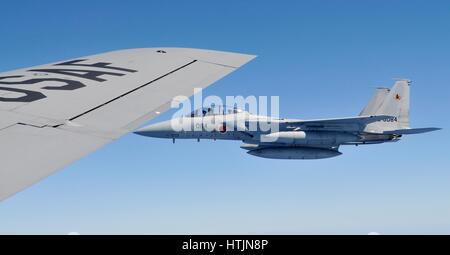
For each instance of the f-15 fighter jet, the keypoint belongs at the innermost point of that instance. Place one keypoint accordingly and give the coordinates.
(384, 119)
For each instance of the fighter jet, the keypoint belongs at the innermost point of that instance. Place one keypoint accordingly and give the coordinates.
(384, 119)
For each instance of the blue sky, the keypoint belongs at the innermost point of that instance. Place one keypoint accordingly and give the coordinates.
(323, 58)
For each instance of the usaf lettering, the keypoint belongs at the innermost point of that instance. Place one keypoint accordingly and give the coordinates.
(82, 71)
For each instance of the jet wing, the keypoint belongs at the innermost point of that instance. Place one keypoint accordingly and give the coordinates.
(352, 124)
(52, 115)
(411, 131)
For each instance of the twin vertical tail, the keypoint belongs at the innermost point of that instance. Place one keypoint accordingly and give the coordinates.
(392, 102)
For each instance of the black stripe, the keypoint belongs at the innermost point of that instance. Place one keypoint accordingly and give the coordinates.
(131, 91)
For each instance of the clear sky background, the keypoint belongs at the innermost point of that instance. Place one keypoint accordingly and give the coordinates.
(323, 58)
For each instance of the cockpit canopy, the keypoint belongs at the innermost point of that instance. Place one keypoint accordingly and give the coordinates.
(215, 110)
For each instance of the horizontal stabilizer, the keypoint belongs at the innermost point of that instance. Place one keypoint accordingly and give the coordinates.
(410, 131)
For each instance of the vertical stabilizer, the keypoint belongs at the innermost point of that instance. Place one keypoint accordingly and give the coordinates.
(396, 104)
(375, 103)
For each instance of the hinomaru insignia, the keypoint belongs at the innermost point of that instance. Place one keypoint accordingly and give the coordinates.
(397, 96)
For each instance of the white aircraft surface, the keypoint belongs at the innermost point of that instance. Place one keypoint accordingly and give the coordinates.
(52, 115)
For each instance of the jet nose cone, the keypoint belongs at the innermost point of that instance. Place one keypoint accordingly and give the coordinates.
(160, 130)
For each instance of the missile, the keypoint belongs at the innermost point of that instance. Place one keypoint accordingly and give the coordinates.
(310, 138)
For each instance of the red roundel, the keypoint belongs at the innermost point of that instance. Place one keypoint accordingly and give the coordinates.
(223, 128)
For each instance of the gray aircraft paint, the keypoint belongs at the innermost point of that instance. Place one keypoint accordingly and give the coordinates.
(384, 119)
(54, 114)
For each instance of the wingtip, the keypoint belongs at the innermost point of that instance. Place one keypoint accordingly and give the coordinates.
(432, 129)
(225, 58)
